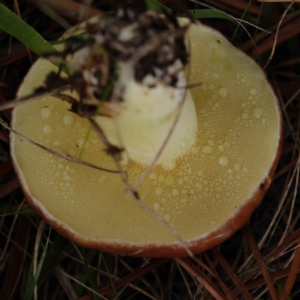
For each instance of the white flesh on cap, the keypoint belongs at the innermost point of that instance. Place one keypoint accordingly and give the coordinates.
(142, 121)
(236, 143)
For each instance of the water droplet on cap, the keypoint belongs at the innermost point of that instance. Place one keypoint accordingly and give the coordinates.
(237, 167)
(158, 191)
(221, 148)
(257, 112)
(206, 149)
(47, 129)
(82, 143)
(57, 143)
(167, 217)
(245, 116)
(156, 207)
(223, 161)
(223, 92)
(68, 120)
(46, 113)
(169, 166)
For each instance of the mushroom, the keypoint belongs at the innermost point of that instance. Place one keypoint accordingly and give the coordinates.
(209, 179)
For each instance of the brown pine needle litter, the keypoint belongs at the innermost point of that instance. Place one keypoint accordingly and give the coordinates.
(261, 261)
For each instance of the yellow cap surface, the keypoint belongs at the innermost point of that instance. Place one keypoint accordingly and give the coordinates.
(237, 140)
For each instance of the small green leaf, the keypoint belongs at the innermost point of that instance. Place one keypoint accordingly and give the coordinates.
(15, 26)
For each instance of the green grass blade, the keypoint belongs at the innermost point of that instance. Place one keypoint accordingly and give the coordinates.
(109, 277)
(13, 210)
(32, 283)
(156, 5)
(91, 277)
(60, 243)
(79, 289)
(209, 14)
(15, 26)
(242, 18)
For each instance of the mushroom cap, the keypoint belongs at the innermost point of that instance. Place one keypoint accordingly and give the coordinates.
(206, 195)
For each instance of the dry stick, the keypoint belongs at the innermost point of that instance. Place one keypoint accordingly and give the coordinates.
(36, 252)
(278, 210)
(10, 186)
(280, 217)
(258, 282)
(292, 206)
(32, 97)
(81, 284)
(65, 283)
(57, 153)
(295, 135)
(143, 280)
(203, 265)
(253, 8)
(10, 58)
(259, 296)
(292, 275)
(98, 270)
(260, 261)
(4, 137)
(286, 32)
(129, 278)
(10, 232)
(290, 260)
(5, 168)
(84, 8)
(7, 113)
(134, 275)
(259, 37)
(237, 20)
(132, 192)
(15, 262)
(290, 240)
(227, 291)
(69, 8)
(277, 32)
(287, 119)
(187, 285)
(238, 283)
(286, 168)
(47, 10)
(201, 278)
(290, 250)
(261, 281)
(291, 99)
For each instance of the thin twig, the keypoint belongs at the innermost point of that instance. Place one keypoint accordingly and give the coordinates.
(277, 32)
(57, 153)
(201, 278)
(35, 254)
(132, 192)
(292, 206)
(260, 262)
(32, 97)
(239, 285)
